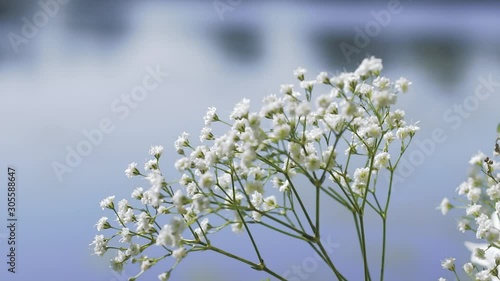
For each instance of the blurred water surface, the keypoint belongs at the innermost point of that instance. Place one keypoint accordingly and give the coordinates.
(67, 77)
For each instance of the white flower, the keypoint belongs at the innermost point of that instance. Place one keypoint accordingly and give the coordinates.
(181, 142)
(102, 224)
(210, 116)
(126, 235)
(101, 245)
(482, 255)
(108, 202)
(146, 264)
(240, 110)
(361, 174)
(445, 206)
(156, 151)
(137, 193)
(369, 66)
(406, 131)
(179, 253)
(143, 224)
(448, 263)
(494, 192)
(133, 250)
(206, 134)
(402, 84)
(323, 78)
(256, 199)
(473, 210)
(152, 164)
(299, 73)
(117, 262)
(382, 83)
(286, 89)
(132, 170)
(200, 203)
(484, 275)
(164, 276)
(308, 85)
(269, 203)
(170, 234)
(383, 98)
(201, 232)
(207, 180)
(382, 160)
(468, 267)
(477, 159)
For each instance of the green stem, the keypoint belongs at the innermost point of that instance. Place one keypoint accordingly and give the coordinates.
(363, 247)
(255, 266)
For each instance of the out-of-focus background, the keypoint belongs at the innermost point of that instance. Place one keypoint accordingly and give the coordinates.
(68, 68)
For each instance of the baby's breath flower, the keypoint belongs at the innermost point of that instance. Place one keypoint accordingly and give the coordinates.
(179, 253)
(468, 267)
(102, 224)
(402, 84)
(288, 136)
(101, 245)
(108, 203)
(132, 170)
(164, 276)
(151, 164)
(210, 116)
(181, 142)
(156, 151)
(240, 110)
(445, 206)
(137, 193)
(299, 73)
(146, 263)
(323, 78)
(269, 203)
(448, 263)
(477, 159)
(381, 160)
(369, 66)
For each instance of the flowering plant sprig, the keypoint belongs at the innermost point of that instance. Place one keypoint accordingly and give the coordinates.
(339, 143)
(480, 198)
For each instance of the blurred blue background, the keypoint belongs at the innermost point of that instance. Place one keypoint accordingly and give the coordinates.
(68, 72)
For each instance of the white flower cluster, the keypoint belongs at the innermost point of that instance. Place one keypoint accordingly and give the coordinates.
(481, 192)
(292, 134)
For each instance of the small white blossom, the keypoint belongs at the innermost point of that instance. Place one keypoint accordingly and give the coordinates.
(381, 160)
(299, 72)
(102, 224)
(402, 84)
(468, 267)
(179, 253)
(445, 206)
(101, 245)
(108, 203)
(477, 159)
(448, 263)
(132, 170)
(210, 116)
(156, 151)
